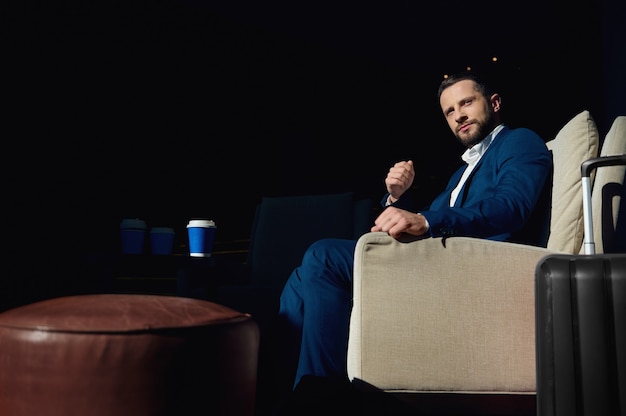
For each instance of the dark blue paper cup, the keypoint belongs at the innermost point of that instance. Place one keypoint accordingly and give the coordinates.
(162, 240)
(201, 235)
(133, 236)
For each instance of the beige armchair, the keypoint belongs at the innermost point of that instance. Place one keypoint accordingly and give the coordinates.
(450, 328)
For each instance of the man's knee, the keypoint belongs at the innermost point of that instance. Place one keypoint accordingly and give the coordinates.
(321, 249)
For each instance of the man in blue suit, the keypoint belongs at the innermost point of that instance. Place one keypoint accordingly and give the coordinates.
(493, 196)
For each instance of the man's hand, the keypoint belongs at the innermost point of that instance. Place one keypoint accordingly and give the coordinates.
(398, 222)
(399, 179)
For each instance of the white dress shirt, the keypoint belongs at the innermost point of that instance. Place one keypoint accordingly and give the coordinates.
(471, 156)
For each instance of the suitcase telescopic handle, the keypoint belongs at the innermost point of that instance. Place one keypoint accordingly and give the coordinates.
(589, 165)
(585, 169)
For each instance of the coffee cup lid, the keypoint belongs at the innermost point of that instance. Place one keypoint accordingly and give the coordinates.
(201, 223)
(163, 230)
(133, 223)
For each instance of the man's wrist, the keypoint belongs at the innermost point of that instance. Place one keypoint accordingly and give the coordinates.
(389, 201)
(425, 220)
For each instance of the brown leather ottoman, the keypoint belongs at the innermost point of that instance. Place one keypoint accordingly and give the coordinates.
(118, 355)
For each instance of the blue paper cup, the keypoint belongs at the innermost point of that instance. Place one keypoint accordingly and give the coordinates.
(201, 235)
(132, 235)
(162, 240)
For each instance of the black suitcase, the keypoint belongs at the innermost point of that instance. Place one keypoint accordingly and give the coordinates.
(580, 313)
(581, 335)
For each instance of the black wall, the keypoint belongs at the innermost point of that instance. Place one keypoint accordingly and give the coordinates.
(168, 110)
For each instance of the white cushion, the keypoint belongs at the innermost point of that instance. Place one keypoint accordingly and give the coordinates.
(608, 188)
(577, 141)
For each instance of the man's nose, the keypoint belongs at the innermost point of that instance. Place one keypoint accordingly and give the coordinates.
(459, 115)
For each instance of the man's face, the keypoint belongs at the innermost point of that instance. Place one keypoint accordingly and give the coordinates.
(469, 115)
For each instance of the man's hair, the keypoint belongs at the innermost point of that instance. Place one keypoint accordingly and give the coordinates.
(481, 86)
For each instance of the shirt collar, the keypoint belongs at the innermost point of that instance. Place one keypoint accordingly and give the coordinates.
(472, 155)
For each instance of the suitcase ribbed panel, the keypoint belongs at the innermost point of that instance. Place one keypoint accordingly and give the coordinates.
(581, 335)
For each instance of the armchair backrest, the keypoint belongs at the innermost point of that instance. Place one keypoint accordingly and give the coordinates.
(284, 227)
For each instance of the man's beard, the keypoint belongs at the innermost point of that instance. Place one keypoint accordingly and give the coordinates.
(484, 128)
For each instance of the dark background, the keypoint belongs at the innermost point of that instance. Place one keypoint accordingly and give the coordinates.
(171, 109)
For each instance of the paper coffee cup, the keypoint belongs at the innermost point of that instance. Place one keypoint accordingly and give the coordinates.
(132, 235)
(162, 240)
(201, 235)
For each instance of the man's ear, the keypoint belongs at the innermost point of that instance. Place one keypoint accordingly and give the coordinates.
(496, 101)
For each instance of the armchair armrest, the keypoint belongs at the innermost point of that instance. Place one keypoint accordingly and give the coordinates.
(454, 318)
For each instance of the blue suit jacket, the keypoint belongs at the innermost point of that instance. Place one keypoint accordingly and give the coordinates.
(501, 194)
